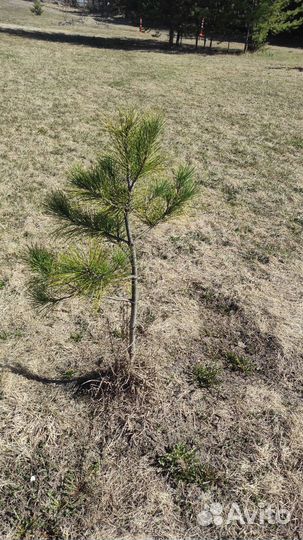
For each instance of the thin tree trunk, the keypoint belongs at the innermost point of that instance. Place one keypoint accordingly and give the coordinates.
(178, 38)
(171, 36)
(197, 41)
(134, 291)
(247, 39)
(211, 43)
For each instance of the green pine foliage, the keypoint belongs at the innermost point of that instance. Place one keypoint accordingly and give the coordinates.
(37, 8)
(286, 15)
(79, 271)
(110, 206)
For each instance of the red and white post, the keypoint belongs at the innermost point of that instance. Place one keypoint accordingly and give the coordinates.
(202, 34)
(141, 24)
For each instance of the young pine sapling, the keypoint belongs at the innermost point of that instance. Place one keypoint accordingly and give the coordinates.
(115, 202)
(36, 8)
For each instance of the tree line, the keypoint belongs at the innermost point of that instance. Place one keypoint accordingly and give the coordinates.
(251, 20)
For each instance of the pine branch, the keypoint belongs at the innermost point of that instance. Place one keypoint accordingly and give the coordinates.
(76, 221)
(136, 145)
(165, 198)
(78, 272)
(42, 263)
(102, 183)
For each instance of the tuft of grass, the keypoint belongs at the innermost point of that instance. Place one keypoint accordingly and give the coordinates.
(187, 243)
(206, 376)
(69, 374)
(230, 193)
(76, 336)
(182, 464)
(297, 142)
(239, 363)
(299, 220)
(37, 8)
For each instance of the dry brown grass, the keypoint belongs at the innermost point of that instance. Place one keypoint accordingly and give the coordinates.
(226, 278)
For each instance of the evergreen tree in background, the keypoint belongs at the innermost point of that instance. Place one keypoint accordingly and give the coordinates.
(37, 8)
(286, 15)
(253, 20)
(115, 203)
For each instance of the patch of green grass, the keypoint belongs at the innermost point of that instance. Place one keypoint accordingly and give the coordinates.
(69, 374)
(206, 376)
(182, 464)
(67, 499)
(25, 526)
(18, 333)
(296, 142)
(239, 363)
(76, 336)
(118, 84)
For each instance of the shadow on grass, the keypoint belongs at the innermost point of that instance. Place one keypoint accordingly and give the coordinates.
(296, 68)
(85, 379)
(125, 44)
(108, 381)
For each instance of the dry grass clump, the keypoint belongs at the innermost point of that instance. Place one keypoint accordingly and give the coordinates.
(226, 279)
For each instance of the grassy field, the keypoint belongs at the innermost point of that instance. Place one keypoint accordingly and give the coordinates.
(225, 282)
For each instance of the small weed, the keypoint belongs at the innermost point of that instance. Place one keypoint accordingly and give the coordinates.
(76, 336)
(95, 468)
(297, 142)
(262, 258)
(183, 465)
(243, 230)
(4, 335)
(118, 333)
(230, 193)
(149, 316)
(37, 8)
(118, 84)
(42, 130)
(186, 243)
(296, 224)
(206, 376)
(2, 284)
(239, 363)
(182, 244)
(198, 236)
(67, 499)
(18, 333)
(69, 374)
(25, 525)
(254, 255)
(299, 220)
